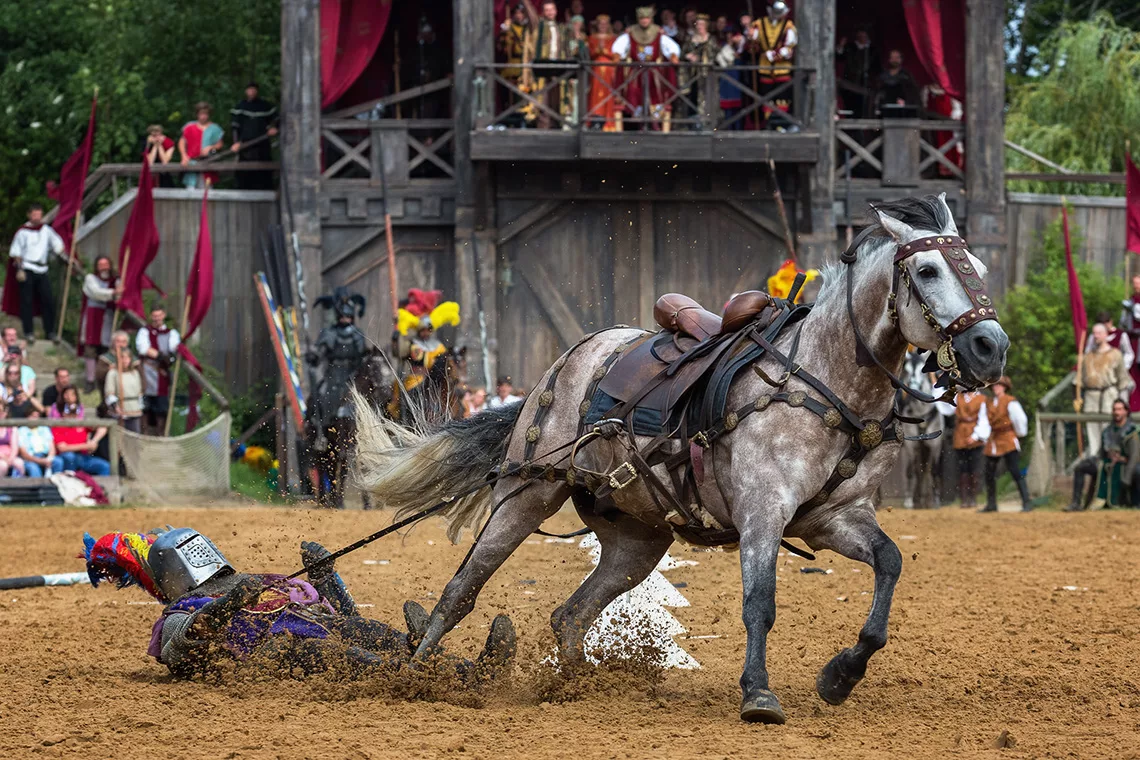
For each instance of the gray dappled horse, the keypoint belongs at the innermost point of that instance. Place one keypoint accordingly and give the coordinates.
(763, 481)
(921, 452)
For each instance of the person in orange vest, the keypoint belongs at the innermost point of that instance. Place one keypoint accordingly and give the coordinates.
(971, 429)
(1008, 423)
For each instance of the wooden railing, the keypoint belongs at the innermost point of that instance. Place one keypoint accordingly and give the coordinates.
(660, 96)
(900, 152)
(405, 149)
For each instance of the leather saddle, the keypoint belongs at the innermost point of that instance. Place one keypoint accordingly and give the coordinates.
(681, 358)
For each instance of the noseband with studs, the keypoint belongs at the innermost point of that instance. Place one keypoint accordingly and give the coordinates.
(956, 253)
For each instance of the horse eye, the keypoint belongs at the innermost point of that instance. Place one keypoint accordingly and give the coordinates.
(928, 272)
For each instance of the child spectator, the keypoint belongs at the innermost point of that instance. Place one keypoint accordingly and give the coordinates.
(37, 448)
(10, 463)
(76, 448)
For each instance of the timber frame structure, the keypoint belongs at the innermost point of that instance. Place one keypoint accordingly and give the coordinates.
(561, 231)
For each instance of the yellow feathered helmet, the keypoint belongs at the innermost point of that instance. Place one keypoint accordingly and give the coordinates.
(780, 284)
(444, 315)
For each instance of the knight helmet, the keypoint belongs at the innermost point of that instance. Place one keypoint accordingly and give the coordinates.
(777, 10)
(182, 559)
(343, 303)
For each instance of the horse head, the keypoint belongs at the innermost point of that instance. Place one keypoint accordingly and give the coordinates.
(939, 290)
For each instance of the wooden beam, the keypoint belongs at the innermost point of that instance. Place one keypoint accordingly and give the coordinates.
(646, 260)
(549, 297)
(350, 250)
(757, 219)
(1036, 157)
(526, 220)
(399, 97)
(985, 133)
(1076, 177)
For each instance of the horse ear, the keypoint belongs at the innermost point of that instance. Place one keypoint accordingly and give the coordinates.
(952, 228)
(900, 231)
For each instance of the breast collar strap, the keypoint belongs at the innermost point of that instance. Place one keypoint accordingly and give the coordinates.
(956, 252)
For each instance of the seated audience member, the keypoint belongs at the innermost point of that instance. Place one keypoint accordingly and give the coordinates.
(51, 393)
(14, 393)
(10, 338)
(1114, 469)
(504, 393)
(127, 381)
(11, 465)
(37, 448)
(76, 448)
(895, 85)
(15, 355)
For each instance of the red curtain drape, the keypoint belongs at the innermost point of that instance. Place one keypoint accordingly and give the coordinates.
(350, 33)
(938, 31)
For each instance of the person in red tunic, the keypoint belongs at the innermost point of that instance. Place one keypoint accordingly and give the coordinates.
(649, 89)
(100, 289)
(200, 138)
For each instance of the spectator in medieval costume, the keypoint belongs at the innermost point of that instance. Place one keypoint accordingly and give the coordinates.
(157, 347)
(215, 614)
(971, 430)
(722, 28)
(775, 42)
(253, 119)
(30, 252)
(37, 448)
(418, 347)
(200, 138)
(603, 101)
(895, 85)
(123, 392)
(1130, 324)
(731, 95)
(340, 350)
(546, 41)
(120, 344)
(512, 43)
(1117, 338)
(860, 60)
(1113, 464)
(700, 50)
(101, 288)
(650, 89)
(1104, 379)
(669, 25)
(1008, 424)
(77, 445)
(688, 24)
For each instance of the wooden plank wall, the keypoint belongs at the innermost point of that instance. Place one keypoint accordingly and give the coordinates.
(233, 339)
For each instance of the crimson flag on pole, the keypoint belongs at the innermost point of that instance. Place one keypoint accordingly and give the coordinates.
(1132, 205)
(140, 238)
(200, 285)
(1076, 298)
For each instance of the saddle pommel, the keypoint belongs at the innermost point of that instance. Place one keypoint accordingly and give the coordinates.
(680, 314)
(743, 308)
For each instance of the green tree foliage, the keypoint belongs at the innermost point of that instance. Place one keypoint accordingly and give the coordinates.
(151, 61)
(1083, 107)
(1039, 322)
(1029, 23)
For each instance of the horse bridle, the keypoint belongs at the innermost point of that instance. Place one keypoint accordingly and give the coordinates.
(944, 360)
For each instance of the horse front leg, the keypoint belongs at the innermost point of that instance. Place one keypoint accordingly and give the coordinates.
(857, 536)
(759, 547)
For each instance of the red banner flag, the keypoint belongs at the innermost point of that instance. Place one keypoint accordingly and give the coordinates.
(1076, 298)
(72, 180)
(200, 285)
(1132, 205)
(140, 238)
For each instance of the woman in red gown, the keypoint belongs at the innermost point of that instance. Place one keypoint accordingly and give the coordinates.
(603, 102)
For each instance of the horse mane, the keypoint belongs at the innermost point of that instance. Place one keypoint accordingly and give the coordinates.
(925, 213)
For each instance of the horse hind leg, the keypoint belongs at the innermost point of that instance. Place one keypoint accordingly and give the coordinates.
(506, 529)
(858, 536)
(630, 551)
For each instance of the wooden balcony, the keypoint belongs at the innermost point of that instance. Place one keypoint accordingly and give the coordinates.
(545, 115)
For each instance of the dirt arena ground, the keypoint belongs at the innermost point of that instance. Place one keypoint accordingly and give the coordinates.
(1025, 625)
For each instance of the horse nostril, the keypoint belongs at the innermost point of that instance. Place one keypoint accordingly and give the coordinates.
(984, 346)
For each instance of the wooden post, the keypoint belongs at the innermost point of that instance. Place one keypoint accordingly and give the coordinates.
(985, 134)
(282, 460)
(177, 366)
(815, 20)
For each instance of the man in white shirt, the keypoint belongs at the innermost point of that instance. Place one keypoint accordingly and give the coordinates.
(157, 347)
(504, 394)
(31, 249)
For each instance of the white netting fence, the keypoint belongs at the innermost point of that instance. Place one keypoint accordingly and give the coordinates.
(187, 466)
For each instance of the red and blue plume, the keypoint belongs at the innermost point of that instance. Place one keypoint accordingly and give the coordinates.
(122, 558)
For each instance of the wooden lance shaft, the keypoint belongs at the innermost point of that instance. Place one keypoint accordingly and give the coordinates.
(1078, 400)
(123, 279)
(783, 212)
(177, 366)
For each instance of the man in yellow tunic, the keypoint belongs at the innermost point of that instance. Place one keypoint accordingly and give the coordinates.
(774, 39)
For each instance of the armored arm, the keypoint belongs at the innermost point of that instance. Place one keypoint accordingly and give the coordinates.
(326, 580)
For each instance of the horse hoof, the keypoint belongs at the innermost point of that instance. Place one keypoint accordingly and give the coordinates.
(834, 682)
(762, 707)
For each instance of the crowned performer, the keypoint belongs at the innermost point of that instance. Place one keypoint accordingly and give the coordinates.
(340, 350)
(650, 88)
(775, 40)
(215, 614)
(100, 290)
(157, 347)
(603, 99)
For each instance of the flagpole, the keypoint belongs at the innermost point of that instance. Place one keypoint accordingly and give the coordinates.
(177, 366)
(119, 374)
(74, 242)
(122, 279)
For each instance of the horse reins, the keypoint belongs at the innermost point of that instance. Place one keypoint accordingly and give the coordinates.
(955, 251)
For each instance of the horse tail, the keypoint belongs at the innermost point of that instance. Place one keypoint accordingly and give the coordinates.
(410, 469)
